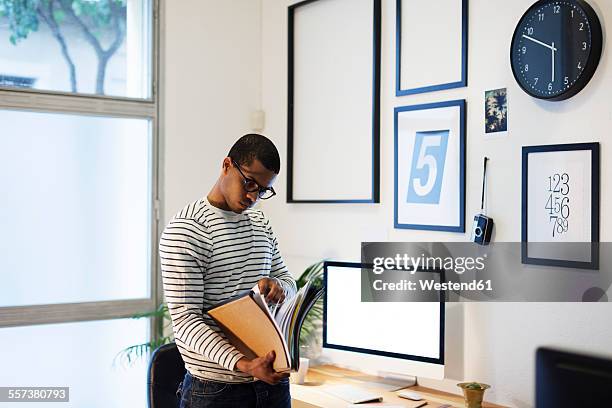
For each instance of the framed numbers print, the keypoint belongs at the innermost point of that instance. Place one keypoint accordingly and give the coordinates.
(430, 166)
(560, 205)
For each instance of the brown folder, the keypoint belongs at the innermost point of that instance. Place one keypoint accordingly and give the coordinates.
(252, 330)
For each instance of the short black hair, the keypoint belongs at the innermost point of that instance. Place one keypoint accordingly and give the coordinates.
(254, 146)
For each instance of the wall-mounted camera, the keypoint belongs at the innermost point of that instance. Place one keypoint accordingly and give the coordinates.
(482, 228)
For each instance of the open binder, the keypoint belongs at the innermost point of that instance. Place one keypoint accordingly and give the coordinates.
(255, 330)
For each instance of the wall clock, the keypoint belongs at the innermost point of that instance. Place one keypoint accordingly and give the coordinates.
(556, 48)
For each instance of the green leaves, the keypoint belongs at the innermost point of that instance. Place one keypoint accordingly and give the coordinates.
(136, 352)
(313, 273)
(97, 15)
(59, 16)
(473, 386)
(161, 311)
(21, 16)
(312, 321)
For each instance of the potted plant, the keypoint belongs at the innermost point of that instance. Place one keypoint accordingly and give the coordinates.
(310, 333)
(138, 351)
(473, 392)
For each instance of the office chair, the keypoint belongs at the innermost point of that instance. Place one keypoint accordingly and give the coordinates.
(166, 371)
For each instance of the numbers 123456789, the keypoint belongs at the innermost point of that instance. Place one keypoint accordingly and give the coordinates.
(558, 202)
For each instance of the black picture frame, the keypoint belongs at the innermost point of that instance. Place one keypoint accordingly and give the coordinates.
(460, 176)
(462, 82)
(326, 344)
(375, 110)
(594, 148)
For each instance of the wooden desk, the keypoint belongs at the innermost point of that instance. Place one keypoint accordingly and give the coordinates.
(311, 394)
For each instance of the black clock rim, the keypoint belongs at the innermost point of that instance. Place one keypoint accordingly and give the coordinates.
(591, 63)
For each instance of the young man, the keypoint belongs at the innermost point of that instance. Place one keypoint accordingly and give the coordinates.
(216, 248)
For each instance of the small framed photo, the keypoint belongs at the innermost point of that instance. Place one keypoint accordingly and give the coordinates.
(560, 205)
(430, 166)
(496, 111)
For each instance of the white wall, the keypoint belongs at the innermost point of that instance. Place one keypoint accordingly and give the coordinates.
(212, 83)
(498, 340)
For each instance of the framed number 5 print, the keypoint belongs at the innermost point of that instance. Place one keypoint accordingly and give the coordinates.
(430, 166)
(560, 205)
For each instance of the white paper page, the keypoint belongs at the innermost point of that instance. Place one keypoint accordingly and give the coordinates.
(261, 301)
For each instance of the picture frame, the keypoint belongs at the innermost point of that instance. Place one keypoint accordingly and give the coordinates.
(560, 205)
(420, 67)
(320, 125)
(496, 112)
(429, 166)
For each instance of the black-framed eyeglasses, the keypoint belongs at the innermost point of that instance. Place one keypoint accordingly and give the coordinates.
(251, 185)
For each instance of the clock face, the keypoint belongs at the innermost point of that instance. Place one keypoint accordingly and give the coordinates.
(556, 48)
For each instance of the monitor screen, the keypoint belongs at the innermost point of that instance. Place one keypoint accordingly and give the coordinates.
(569, 380)
(404, 330)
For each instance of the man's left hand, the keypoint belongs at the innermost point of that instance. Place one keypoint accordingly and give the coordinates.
(271, 289)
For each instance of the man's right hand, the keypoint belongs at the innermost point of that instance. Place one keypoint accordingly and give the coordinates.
(261, 368)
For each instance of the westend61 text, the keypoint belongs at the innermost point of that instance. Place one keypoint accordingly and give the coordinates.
(475, 285)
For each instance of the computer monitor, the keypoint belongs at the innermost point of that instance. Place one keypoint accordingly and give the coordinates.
(405, 338)
(565, 380)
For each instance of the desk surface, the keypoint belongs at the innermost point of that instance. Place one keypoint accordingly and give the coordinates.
(311, 394)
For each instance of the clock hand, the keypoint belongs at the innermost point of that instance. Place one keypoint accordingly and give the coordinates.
(552, 47)
(553, 62)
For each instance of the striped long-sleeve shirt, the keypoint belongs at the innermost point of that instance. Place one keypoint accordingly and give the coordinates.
(209, 255)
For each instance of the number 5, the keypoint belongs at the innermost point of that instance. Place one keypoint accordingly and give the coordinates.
(427, 167)
(429, 161)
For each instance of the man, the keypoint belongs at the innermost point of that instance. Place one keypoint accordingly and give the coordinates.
(212, 250)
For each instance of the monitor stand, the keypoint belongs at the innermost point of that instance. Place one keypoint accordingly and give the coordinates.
(386, 381)
(383, 380)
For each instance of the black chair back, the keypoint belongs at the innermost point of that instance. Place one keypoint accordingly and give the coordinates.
(166, 371)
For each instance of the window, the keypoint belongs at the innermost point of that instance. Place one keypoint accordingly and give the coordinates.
(82, 356)
(98, 47)
(76, 208)
(78, 194)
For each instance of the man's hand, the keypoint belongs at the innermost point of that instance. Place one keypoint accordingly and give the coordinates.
(261, 368)
(271, 289)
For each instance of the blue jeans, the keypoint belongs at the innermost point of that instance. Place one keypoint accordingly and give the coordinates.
(196, 393)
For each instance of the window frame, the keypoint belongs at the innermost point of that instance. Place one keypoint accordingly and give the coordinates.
(154, 72)
(109, 107)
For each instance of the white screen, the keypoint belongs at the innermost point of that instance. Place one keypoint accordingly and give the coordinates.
(409, 328)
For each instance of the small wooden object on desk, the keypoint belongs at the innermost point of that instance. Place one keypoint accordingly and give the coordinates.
(311, 394)
(473, 393)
